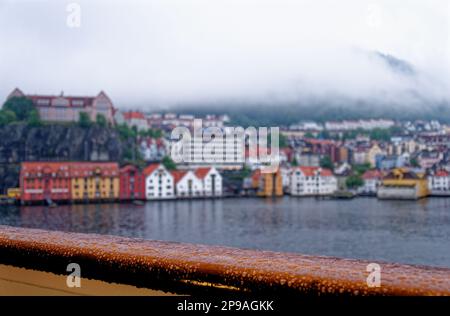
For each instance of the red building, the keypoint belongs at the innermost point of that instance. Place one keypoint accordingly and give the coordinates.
(132, 183)
(45, 180)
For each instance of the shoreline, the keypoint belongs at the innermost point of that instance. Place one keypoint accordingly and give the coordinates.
(143, 202)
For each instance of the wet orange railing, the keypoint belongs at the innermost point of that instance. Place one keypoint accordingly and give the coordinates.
(195, 269)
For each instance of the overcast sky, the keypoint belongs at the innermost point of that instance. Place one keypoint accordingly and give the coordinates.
(170, 51)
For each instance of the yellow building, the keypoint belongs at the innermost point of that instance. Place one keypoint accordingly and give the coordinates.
(268, 184)
(403, 184)
(94, 181)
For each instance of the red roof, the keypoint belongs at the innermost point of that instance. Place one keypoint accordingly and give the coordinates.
(133, 115)
(128, 168)
(74, 169)
(311, 171)
(202, 172)
(441, 173)
(150, 168)
(372, 174)
(178, 175)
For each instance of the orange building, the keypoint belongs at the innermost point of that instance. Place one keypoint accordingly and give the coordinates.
(267, 184)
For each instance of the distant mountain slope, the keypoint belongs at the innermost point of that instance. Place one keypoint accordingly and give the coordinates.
(414, 95)
(397, 65)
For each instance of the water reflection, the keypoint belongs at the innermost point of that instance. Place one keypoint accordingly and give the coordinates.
(399, 231)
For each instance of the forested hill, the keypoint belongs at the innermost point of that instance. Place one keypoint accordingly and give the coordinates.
(286, 114)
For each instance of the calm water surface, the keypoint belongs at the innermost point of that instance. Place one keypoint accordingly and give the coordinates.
(416, 232)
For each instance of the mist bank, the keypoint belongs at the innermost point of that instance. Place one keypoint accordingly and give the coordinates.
(284, 114)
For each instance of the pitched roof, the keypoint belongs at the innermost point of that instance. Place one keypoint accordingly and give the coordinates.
(202, 172)
(441, 173)
(133, 115)
(178, 175)
(128, 168)
(150, 168)
(310, 171)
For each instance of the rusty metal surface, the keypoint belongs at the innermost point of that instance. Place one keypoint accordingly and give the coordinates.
(182, 267)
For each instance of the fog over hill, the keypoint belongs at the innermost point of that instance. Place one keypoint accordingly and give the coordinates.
(413, 101)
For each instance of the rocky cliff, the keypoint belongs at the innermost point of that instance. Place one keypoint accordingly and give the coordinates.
(19, 142)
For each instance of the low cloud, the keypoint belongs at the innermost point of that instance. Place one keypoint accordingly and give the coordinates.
(165, 52)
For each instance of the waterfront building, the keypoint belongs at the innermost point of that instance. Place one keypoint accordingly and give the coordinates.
(132, 183)
(159, 182)
(187, 184)
(286, 177)
(40, 181)
(341, 173)
(312, 181)
(61, 108)
(403, 184)
(94, 181)
(372, 180)
(211, 181)
(267, 184)
(439, 183)
(69, 181)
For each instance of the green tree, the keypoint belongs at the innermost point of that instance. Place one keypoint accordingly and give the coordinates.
(84, 120)
(283, 141)
(325, 162)
(360, 169)
(380, 134)
(169, 163)
(294, 162)
(6, 117)
(125, 132)
(414, 163)
(156, 133)
(324, 134)
(21, 106)
(354, 181)
(101, 121)
(33, 119)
